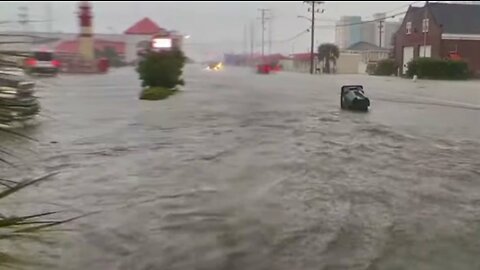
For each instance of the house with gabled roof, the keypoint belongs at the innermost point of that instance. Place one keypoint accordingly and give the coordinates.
(139, 35)
(442, 31)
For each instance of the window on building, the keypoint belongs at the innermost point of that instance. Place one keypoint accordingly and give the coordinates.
(409, 28)
(425, 25)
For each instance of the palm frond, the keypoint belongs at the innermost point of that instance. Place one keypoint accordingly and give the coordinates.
(51, 224)
(22, 220)
(2, 160)
(9, 261)
(8, 181)
(22, 185)
(42, 226)
(17, 134)
(6, 152)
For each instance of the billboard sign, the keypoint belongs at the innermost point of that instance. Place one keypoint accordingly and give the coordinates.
(161, 43)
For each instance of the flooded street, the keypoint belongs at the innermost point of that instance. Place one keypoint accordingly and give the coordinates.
(244, 171)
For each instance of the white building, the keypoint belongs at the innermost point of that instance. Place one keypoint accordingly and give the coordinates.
(351, 29)
(348, 31)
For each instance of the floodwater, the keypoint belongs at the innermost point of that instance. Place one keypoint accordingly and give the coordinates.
(247, 171)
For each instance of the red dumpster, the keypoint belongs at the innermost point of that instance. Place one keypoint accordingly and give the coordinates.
(103, 65)
(263, 69)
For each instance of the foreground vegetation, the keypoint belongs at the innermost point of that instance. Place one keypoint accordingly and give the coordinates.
(385, 67)
(328, 52)
(24, 227)
(428, 68)
(424, 68)
(157, 93)
(161, 73)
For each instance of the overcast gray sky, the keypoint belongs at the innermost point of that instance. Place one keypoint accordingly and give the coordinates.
(212, 25)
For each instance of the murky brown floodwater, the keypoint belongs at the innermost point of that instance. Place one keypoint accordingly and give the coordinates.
(242, 171)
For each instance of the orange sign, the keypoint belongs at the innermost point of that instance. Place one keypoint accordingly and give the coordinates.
(454, 56)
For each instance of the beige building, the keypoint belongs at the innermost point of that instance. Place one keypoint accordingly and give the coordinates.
(299, 62)
(370, 53)
(347, 63)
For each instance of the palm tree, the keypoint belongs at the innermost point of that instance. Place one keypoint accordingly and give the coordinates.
(18, 226)
(328, 52)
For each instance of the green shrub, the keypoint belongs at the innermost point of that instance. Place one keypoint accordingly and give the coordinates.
(386, 67)
(371, 68)
(156, 93)
(162, 69)
(429, 68)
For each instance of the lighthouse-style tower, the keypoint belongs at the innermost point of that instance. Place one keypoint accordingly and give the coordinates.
(86, 47)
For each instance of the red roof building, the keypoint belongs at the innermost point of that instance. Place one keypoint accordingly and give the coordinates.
(145, 27)
(71, 46)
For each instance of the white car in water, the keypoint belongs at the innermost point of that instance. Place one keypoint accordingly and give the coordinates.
(42, 63)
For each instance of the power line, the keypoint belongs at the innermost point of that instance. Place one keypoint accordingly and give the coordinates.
(402, 7)
(374, 20)
(299, 34)
(363, 22)
(293, 37)
(395, 9)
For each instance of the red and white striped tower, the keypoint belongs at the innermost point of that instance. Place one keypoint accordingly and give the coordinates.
(86, 46)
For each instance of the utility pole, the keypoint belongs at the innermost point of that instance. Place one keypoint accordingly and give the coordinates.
(252, 39)
(312, 55)
(245, 44)
(49, 17)
(263, 18)
(312, 38)
(270, 29)
(23, 17)
(380, 26)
